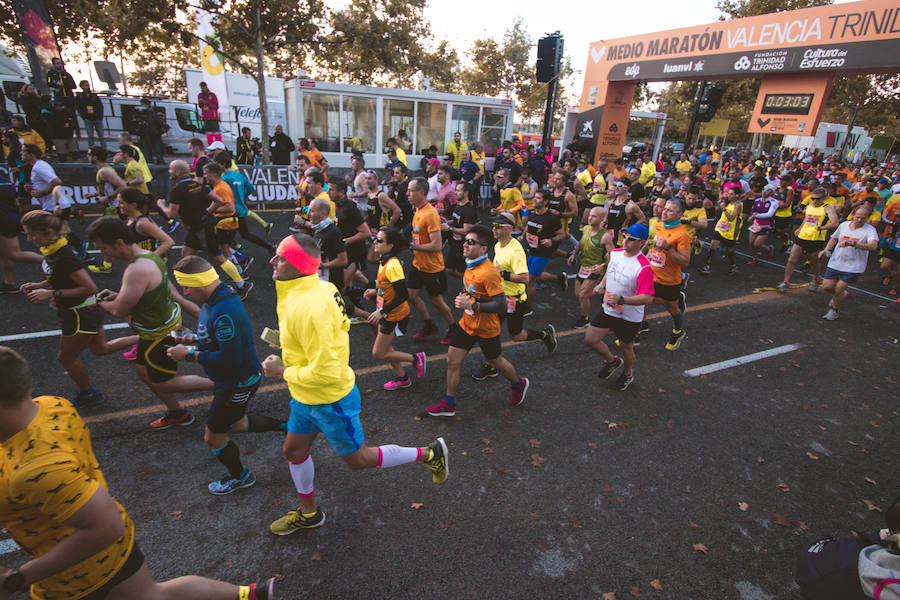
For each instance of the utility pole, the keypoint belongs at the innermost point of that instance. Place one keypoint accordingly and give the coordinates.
(855, 107)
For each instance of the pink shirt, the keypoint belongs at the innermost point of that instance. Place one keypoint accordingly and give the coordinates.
(628, 276)
(446, 198)
(211, 112)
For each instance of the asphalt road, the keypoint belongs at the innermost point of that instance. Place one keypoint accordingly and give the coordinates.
(680, 487)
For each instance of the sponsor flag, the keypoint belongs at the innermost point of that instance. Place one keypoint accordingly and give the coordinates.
(38, 37)
(212, 63)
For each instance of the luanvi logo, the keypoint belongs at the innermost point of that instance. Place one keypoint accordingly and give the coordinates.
(763, 123)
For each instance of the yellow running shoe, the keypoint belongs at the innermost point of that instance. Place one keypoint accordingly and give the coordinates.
(437, 464)
(106, 267)
(294, 520)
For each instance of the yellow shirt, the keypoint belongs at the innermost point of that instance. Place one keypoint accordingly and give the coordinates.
(599, 196)
(331, 209)
(478, 159)
(648, 172)
(693, 214)
(315, 347)
(813, 217)
(133, 170)
(511, 258)
(401, 154)
(584, 176)
(729, 228)
(145, 169)
(48, 472)
(683, 166)
(511, 200)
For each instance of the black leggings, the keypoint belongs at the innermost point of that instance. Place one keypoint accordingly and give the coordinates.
(245, 233)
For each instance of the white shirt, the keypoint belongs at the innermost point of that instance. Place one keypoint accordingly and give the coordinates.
(433, 187)
(41, 176)
(847, 258)
(627, 276)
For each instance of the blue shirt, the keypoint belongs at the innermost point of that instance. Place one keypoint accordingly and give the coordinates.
(240, 189)
(225, 339)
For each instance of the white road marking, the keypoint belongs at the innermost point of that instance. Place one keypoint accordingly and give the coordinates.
(741, 360)
(98, 252)
(8, 546)
(52, 333)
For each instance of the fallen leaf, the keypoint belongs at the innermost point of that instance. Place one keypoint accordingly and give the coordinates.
(635, 591)
(537, 460)
(533, 515)
(543, 546)
(802, 525)
(812, 456)
(721, 514)
(487, 450)
(693, 525)
(760, 459)
(177, 515)
(822, 427)
(779, 519)
(620, 500)
(486, 441)
(534, 443)
(656, 585)
(416, 505)
(446, 526)
(870, 480)
(570, 499)
(592, 445)
(852, 443)
(576, 524)
(700, 548)
(743, 506)
(279, 577)
(871, 506)
(783, 487)
(316, 555)
(464, 453)
(229, 564)
(609, 596)
(670, 425)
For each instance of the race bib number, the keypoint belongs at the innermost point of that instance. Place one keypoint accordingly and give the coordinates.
(89, 109)
(379, 302)
(584, 272)
(657, 258)
(811, 220)
(755, 228)
(510, 305)
(845, 241)
(532, 240)
(612, 305)
(723, 226)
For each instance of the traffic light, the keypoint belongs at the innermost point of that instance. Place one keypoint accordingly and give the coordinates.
(710, 102)
(549, 54)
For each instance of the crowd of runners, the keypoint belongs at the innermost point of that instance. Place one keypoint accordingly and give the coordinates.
(364, 250)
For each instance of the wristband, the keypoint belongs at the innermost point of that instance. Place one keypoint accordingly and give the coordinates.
(192, 354)
(57, 293)
(475, 306)
(384, 315)
(621, 301)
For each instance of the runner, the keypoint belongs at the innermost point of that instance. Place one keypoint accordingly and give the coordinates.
(565, 193)
(461, 219)
(354, 231)
(391, 313)
(10, 251)
(508, 195)
(66, 286)
(621, 212)
(784, 193)
(591, 254)
(428, 262)
(482, 301)
(57, 507)
(152, 304)
(510, 260)
(543, 234)
(671, 250)
(890, 243)
(223, 346)
(818, 220)
(762, 215)
(315, 357)
(627, 287)
(694, 218)
(241, 189)
(134, 207)
(847, 252)
(220, 234)
(727, 230)
(380, 209)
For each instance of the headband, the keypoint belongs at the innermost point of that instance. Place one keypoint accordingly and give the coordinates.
(291, 251)
(196, 280)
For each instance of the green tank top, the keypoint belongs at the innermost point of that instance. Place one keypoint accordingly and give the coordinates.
(592, 250)
(156, 313)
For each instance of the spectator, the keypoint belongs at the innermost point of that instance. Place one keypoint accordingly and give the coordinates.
(404, 141)
(63, 86)
(90, 109)
(151, 128)
(63, 128)
(246, 152)
(478, 156)
(26, 134)
(30, 103)
(400, 152)
(310, 149)
(209, 108)
(280, 147)
(455, 148)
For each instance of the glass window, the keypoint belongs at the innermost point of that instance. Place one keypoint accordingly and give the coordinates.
(188, 119)
(398, 122)
(321, 115)
(358, 124)
(465, 120)
(431, 123)
(493, 128)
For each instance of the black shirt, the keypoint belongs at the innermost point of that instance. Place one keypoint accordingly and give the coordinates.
(280, 148)
(89, 106)
(757, 184)
(348, 219)
(541, 227)
(399, 194)
(459, 216)
(198, 166)
(58, 268)
(192, 199)
(331, 243)
(637, 190)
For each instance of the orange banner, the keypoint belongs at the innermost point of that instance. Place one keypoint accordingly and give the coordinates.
(790, 104)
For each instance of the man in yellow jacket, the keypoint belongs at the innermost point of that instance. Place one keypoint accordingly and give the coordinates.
(314, 361)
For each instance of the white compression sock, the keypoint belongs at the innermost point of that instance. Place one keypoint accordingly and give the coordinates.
(391, 455)
(303, 474)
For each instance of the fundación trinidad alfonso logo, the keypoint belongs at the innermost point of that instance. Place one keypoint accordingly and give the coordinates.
(742, 64)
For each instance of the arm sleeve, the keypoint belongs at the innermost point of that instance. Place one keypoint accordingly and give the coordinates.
(401, 295)
(227, 334)
(770, 212)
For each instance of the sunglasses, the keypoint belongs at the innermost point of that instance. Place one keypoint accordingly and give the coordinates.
(628, 238)
(472, 243)
(501, 225)
(379, 240)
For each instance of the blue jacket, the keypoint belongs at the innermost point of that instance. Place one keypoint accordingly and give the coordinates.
(225, 340)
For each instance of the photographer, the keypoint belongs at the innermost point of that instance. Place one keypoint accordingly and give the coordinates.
(248, 149)
(150, 127)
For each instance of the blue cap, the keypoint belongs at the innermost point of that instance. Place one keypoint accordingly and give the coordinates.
(637, 231)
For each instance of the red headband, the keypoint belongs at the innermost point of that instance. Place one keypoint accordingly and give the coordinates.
(291, 251)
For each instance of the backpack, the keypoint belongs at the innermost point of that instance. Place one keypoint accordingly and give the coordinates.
(828, 570)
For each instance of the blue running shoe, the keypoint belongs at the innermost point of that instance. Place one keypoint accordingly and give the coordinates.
(228, 484)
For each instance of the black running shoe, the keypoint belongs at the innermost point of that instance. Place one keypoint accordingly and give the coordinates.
(550, 338)
(609, 368)
(624, 380)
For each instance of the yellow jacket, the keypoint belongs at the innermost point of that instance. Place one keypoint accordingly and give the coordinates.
(648, 172)
(315, 346)
(29, 136)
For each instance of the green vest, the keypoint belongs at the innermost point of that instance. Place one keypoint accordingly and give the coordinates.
(156, 313)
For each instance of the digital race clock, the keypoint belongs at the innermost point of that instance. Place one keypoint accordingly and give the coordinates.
(787, 104)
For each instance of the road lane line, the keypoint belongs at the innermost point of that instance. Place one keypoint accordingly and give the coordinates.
(272, 387)
(8, 547)
(741, 360)
(52, 333)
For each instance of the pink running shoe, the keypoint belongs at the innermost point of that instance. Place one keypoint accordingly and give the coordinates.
(517, 395)
(441, 409)
(398, 383)
(131, 354)
(420, 365)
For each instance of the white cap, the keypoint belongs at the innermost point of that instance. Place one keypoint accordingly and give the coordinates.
(217, 145)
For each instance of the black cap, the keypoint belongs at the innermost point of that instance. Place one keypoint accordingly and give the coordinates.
(502, 219)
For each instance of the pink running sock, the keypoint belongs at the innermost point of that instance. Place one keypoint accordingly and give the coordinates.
(303, 474)
(391, 455)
